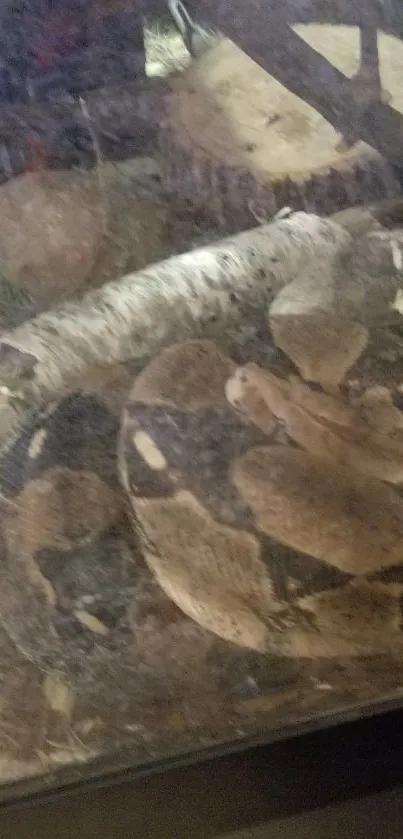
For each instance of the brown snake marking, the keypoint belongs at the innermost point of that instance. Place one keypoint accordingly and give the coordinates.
(271, 547)
(336, 518)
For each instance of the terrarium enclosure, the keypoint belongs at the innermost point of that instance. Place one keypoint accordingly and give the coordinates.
(201, 376)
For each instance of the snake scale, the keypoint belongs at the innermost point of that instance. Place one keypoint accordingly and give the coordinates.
(265, 503)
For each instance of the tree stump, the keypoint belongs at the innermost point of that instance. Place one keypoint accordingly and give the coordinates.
(239, 146)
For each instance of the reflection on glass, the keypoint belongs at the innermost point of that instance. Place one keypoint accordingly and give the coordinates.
(201, 375)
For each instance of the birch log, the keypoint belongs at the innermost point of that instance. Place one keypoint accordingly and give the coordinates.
(209, 288)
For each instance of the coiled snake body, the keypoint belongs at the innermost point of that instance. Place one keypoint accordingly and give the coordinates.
(268, 511)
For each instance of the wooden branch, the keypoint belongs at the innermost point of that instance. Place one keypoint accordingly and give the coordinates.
(205, 292)
(337, 12)
(386, 15)
(269, 40)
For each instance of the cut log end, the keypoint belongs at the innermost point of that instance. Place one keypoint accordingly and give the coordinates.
(238, 145)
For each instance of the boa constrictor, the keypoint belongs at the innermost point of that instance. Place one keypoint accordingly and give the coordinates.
(260, 483)
(267, 509)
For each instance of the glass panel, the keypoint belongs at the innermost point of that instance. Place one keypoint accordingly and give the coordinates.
(201, 375)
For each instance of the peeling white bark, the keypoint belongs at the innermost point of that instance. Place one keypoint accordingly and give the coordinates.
(171, 300)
